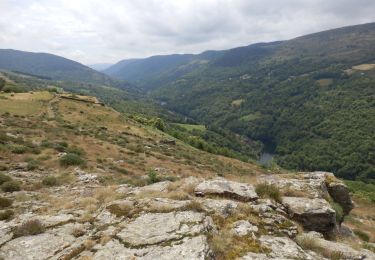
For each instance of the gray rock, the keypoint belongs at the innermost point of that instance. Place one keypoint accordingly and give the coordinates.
(42, 246)
(162, 204)
(340, 194)
(225, 188)
(312, 184)
(243, 228)
(284, 248)
(221, 207)
(52, 221)
(5, 232)
(155, 187)
(187, 248)
(313, 214)
(345, 251)
(154, 228)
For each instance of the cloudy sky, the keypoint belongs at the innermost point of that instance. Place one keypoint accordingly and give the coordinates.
(95, 31)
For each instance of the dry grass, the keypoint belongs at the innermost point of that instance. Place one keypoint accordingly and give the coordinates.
(104, 240)
(265, 190)
(289, 192)
(123, 210)
(227, 246)
(310, 243)
(106, 194)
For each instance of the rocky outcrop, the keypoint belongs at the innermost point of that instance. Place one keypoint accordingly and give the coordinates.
(313, 214)
(229, 189)
(142, 225)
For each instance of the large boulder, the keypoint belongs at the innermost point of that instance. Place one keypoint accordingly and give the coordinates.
(340, 194)
(312, 184)
(42, 246)
(229, 189)
(313, 214)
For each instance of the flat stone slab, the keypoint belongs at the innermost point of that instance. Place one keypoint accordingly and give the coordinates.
(187, 248)
(313, 214)
(155, 228)
(225, 188)
(42, 246)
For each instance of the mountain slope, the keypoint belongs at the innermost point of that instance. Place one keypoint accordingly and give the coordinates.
(49, 66)
(156, 70)
(304, 98)
(94, 183)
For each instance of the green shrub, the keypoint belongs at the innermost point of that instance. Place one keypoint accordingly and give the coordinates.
(14, 88)
(46, 144)
(3, 167)
(4, 178)
(49, 181)
(265, 190)
(362, 235)
(76, 150)
(29, 228)
(10, 186)
(32, 165)
(6, 214)
(71, 159)
(19, 149)
(5, 202)
(152, 177)
(339, 211)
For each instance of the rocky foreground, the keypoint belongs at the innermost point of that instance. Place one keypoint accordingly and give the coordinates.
(191, 218)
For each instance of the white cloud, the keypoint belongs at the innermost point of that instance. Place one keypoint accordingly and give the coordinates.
(92, 31)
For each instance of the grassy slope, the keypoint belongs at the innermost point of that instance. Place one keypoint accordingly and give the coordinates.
(120, 149)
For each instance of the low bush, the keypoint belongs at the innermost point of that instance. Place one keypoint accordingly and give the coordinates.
(32, 165)
(76, 150)
(265, 190)
(71, 159)
(29, 228)
(4, 178)
(339, 211)
(5, 202)
(362, 235)
(49, 181)
(18, 149)
(152, 177)
(6, 214)
(10, 186)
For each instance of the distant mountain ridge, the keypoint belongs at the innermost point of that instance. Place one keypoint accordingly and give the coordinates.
(50, 66)
(100, 66)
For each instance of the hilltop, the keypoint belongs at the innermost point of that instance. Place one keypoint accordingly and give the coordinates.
(80, 180)
(49, 66)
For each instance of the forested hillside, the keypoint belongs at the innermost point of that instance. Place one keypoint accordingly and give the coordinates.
(312, 98)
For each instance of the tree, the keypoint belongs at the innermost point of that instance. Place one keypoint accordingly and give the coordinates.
(2, 83)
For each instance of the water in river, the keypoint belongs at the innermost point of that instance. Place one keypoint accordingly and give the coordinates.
(265, 158)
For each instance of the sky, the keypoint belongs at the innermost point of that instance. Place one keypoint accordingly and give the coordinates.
(106, 31)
